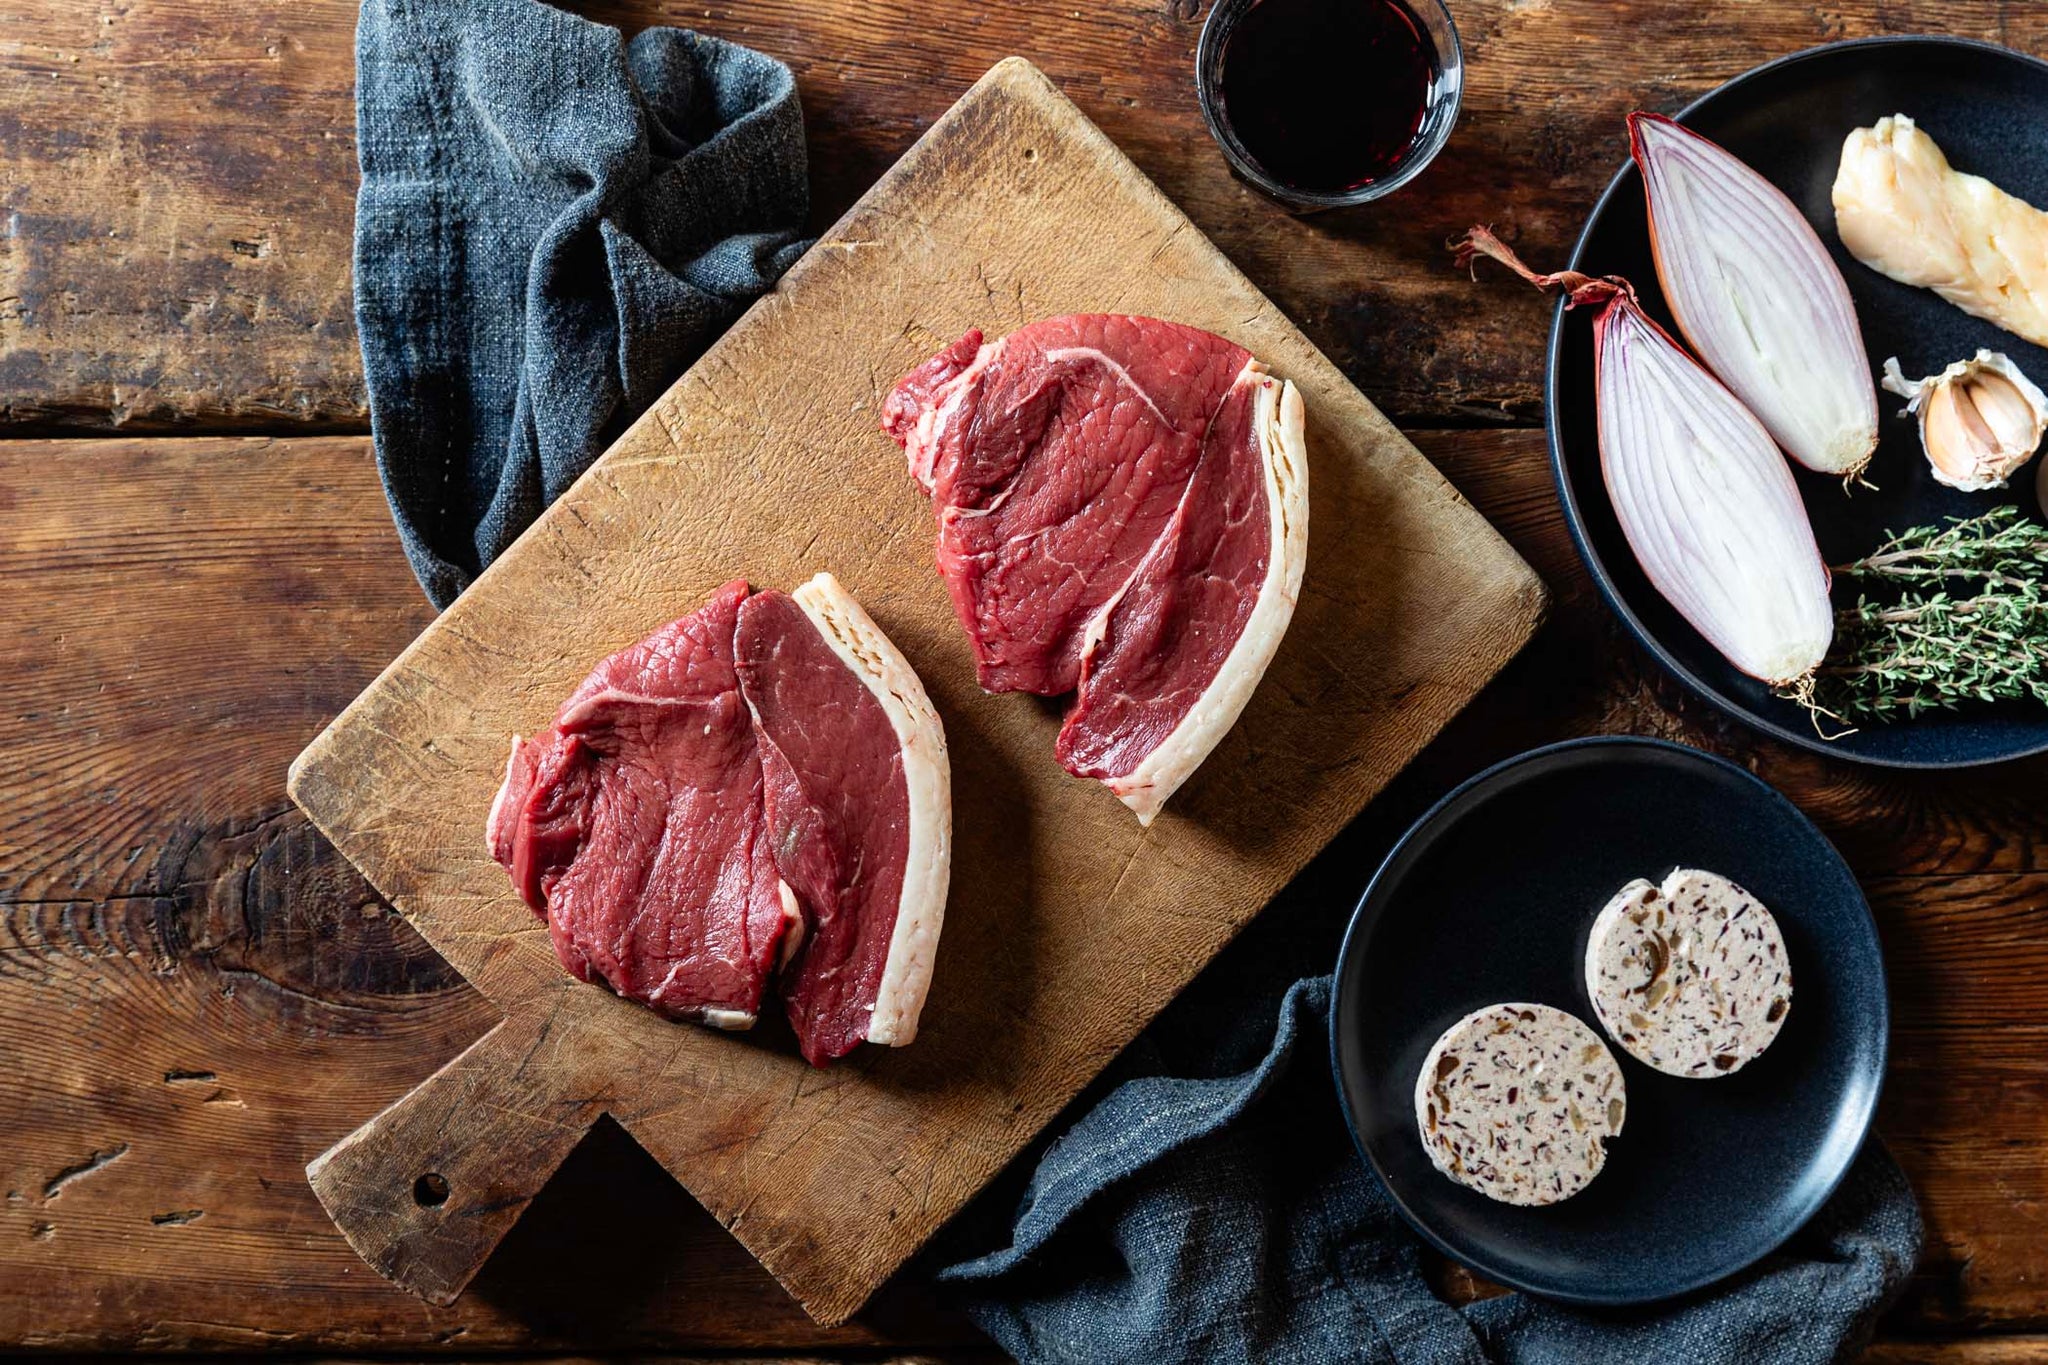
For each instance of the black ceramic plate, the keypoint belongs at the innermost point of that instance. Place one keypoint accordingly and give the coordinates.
(1985, 106)
(1490, 898)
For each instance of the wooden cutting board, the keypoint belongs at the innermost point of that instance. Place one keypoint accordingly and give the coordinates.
(1069, 927)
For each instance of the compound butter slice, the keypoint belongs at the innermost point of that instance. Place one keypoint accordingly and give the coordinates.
(1690, 977)
(1517, 1101)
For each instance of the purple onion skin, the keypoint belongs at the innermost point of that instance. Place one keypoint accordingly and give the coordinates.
(1731, 549)
(1728, 544)
(1781, 335)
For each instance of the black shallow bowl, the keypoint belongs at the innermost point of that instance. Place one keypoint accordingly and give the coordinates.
(1490, 898)
(1986, 107)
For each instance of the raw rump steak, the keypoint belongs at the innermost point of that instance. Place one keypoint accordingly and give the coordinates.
(1122, 514)
(857, 801)
(759, 787)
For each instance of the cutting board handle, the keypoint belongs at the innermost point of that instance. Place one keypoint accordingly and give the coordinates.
(426, 1190)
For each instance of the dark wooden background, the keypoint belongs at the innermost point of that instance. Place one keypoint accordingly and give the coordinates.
(197, 995)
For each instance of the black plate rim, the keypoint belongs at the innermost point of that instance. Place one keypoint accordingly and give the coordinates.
(1354, 934)
(1700, 687)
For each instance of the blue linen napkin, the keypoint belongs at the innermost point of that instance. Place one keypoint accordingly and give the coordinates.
(553, 222)
(1203, 1203)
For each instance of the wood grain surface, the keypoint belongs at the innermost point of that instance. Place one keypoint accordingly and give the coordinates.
(230, 997)
(197, 994)
(1069, 926)
(178, 176)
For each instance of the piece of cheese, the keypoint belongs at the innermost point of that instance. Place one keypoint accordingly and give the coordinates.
(1691, 977)
(1517, 1101)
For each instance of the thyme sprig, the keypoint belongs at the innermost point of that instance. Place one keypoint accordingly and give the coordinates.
(1998, 545)
(1956, 614)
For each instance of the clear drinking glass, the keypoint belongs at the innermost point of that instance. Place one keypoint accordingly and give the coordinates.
(1440, 107)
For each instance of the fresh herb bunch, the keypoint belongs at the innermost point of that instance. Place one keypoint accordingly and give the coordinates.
(1958, 615)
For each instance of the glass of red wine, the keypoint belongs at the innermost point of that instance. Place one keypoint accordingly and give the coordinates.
(1324, 103)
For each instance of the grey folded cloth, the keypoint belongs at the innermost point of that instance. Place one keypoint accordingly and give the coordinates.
(1204, 1204)
(553, 223)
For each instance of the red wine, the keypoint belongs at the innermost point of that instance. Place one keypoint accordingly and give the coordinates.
(1327, 95)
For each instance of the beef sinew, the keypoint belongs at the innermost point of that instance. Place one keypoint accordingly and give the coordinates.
(760, 786)
(1122, 513)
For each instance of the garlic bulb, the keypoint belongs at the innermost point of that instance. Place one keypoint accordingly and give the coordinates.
(1980, 419)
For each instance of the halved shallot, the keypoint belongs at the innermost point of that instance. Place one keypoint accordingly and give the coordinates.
(1758, 296)
(1704, 498)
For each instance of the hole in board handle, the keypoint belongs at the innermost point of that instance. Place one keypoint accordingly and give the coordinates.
(430, 1190)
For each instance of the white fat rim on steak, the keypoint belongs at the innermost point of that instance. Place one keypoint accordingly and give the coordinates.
(928, 854)
(1686, 976)
(498, 811)
(1283, 451)
(1517, 1101)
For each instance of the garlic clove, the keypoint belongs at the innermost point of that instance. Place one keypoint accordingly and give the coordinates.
(2012, 422)
(1960, 445)
(1980, 419)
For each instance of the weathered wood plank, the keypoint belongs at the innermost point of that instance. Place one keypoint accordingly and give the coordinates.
(177, 184)
(177, 177)
(161, 919)
(1990, 1350)
(964, 1355)
(217, 611)
(1984, 1350)
(198, 995)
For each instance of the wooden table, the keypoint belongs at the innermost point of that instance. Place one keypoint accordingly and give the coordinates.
(197, 994)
